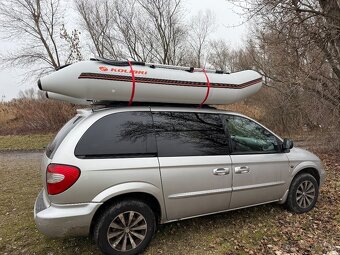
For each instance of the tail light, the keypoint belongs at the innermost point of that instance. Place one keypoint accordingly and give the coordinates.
(60, 177)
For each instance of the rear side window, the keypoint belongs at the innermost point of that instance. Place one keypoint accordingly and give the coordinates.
(53, 146)
(189, 134)
(125, 134)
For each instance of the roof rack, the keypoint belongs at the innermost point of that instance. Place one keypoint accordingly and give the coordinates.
(153, 65)
(107, 104)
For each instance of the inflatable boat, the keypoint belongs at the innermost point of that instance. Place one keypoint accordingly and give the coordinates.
(106, 80)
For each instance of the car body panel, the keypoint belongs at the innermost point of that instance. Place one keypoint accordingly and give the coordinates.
(264, 180)
(98, 175)
(63, 220)
(302, 159)
(191, 188)
(184, 187)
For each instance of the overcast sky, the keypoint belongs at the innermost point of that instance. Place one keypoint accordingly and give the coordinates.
(229, 27)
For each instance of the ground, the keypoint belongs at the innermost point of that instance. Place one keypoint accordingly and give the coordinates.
(24, 142)
(268, 229)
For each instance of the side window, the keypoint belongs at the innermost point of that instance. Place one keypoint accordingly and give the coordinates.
(249, 137)
(125, 134)
(189, 134)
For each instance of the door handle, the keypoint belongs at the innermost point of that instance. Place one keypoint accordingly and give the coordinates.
(242, 169)
(221, 171)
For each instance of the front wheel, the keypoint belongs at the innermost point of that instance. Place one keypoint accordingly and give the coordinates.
(125, 228)
(303, 193)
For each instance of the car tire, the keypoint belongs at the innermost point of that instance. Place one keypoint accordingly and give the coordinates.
(125, 228)
(303, 193)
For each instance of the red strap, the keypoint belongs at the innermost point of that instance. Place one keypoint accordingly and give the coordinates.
(133, 84)
(208, 89)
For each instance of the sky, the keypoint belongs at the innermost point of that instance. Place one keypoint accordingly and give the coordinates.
(229, 26)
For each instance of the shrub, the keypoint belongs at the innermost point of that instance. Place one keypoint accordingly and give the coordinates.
(29, 116)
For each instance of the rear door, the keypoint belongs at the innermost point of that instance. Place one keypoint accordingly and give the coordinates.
(258, 164)
(194, 163)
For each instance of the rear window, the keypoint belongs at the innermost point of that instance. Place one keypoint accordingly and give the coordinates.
(53, 146)
(124, 135)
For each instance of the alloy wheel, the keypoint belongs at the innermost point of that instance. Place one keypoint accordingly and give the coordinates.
(305, 194)
(127, 231)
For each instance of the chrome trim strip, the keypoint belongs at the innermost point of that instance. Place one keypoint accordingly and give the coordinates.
(223, 211)
(258, 186)
(200, 193)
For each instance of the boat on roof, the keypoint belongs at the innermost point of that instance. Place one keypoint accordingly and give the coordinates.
(106, 80)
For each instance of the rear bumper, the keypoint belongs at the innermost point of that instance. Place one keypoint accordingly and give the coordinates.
(56, 220)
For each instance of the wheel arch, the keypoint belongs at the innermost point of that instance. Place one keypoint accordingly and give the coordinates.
(297, 180)
(308, 170)
(147, 198)
(301, 169)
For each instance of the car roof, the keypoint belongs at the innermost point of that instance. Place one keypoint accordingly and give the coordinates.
(109, 109)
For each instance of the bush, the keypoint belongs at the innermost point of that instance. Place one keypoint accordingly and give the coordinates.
(30, 116)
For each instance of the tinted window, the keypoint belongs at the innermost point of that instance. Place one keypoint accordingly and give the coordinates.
(189, 134)
(126, 134)
(249, 137)
(53, 146)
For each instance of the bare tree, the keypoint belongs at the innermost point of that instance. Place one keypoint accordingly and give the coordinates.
(99, 23)
(35, 27)
(295, 45)
(167, 31)
(220, 56)
(143, 30)
(135, 31)
(223, 57)
(200, 28)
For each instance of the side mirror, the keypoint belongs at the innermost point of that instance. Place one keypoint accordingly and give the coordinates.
(287, 144)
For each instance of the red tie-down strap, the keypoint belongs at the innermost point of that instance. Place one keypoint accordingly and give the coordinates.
(208, 89)
(133, 84)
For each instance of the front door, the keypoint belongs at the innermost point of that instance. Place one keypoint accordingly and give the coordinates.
(194, 163)
(258, 164)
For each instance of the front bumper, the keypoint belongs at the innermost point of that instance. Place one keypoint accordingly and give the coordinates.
(59, 220)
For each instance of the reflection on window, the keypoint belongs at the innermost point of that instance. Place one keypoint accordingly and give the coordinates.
(189, 134)
(125, 134)
(249, 137)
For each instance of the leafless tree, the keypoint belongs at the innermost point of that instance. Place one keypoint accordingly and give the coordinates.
(98, 22)
(136, 32)
(168, 29)
(201, 27)
(143, 30)
(296, 46)
(221, 56)
(34, 26)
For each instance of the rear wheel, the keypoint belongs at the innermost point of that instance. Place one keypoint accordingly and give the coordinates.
(125, 228)
(303, 193)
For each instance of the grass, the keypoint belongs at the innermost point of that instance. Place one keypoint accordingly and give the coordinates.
(24, 142)
(268, 229)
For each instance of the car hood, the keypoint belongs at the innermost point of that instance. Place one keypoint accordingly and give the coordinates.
(299, 154)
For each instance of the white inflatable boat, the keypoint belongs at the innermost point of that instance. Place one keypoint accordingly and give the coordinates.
(106, 80)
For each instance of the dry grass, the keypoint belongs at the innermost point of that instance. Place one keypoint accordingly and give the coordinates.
(268, 229)
(25, 142)
(33, 116)
(6, 113)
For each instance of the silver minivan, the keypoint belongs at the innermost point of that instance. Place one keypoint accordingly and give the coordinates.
(116, 173)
